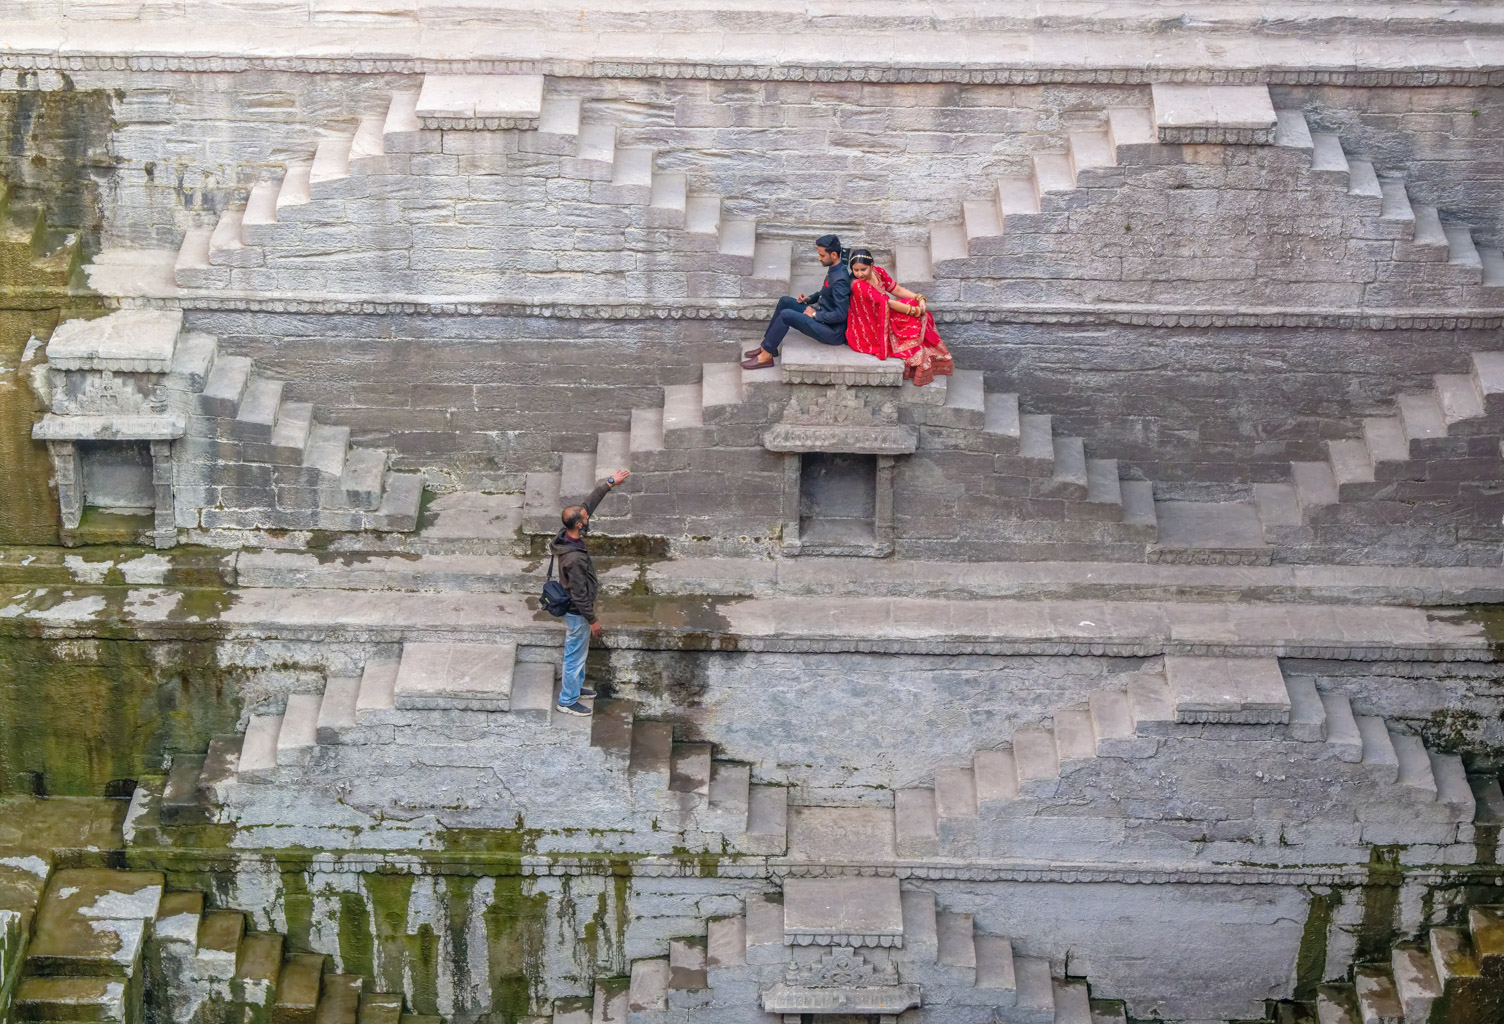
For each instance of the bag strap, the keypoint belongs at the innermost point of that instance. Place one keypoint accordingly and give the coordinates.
(550, 569)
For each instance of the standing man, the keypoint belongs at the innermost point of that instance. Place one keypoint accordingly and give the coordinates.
(822, 315)
(578, 578)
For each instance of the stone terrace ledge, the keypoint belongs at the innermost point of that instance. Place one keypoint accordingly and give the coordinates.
(1110, 54)
(879, 625)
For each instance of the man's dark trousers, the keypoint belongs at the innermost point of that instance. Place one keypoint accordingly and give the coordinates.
(791, 313)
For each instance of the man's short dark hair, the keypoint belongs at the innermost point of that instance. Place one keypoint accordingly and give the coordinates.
(573, 517)
(830, 243)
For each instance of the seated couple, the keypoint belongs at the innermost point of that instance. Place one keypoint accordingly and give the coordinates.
(860, 305)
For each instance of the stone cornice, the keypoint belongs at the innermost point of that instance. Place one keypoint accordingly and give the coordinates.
(945, 55)
(774, 869)
(760, 309)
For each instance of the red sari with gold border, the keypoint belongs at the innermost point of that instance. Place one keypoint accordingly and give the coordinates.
(873, 328)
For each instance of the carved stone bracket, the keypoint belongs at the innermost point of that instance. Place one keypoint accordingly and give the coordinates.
(844, 982)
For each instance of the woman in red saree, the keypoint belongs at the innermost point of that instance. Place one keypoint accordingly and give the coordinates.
(887, 320)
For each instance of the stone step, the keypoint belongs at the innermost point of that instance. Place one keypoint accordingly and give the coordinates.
(1488, 797)
(995, 965)
(326, 449)
(955, 793)
(577, 478)
(178, 919)
(611, 726)
(1072, 1003)
(226, 248)
(1458, 397)
(956, 943)
(687, 961)
(1428, 230)
(702, 215)
(1138, 506)
(1396, 201)
(1307, 713)
(1415, 981)
(361, 481)
(632, 168)
(995, 775)
(980, 220)
(726, 942)
(1017, 197)
(367, 142)
(535, 689)
(1452, 954)
(1088, 151)
(260, 214)
(1350, 461)
(180, 799)
(1000, 415)
(337, 707)
(689, 770)
(378, 685)
(669, 198)
(1052, 173)
(296, 190)
(331, 160)
(559, 116)
(966, 397)
(1486, 927)
(773, 260)
(648, 988)
(455, 677)
(1075, 738)
(1363, 180)
(1109, 1011)
(1315, 483)
(1461, 251)
(221, 767)
(1491, 262)
(1069, 475)
(256, 416)
(292, 431)
(401, 117)
(916, 830)
(1414, 764)
(258, 750)
(1036, 988)
(1327, 155)
(730, 787)
(299, 732)
(1335, 1005)
(1422, 416)
(645, 435)
(71, 999)
(299, 987)
(948, 243)
(1385, 438)
(720, 385)
(191, 268)
(1378, 1002)
(1036, 761)
(1378, 747)
(767, 821)
(193, 361)
(1453, 787)
(738, 238)
(259, 963)
(1112, 724)
(217, 944)
(1102, 484)
(596, 145)
(1242, 691)
(1132, 126)
(380, 1008)
(339, 999)
(613, 451)
(683, 407)
(93, 922)
(912, 263)
(652, 747)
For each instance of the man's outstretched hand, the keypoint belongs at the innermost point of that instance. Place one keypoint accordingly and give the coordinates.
(617, 477)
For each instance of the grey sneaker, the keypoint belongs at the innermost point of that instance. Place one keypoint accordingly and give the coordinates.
(574, 709)
(586, 693)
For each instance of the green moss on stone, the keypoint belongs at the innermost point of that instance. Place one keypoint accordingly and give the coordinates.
(516, 928)
(1310, 961)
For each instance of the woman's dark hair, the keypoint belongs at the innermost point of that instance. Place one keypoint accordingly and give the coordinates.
(860, 256)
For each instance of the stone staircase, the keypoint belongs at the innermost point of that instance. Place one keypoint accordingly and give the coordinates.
(998, 805)
(1133, 140)
(1456, 974)
(346, 208)
(37, 255)
(839, 937)
(470, 692)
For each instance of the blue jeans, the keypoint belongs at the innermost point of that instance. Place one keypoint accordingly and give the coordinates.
(576, 647)
(790, 313)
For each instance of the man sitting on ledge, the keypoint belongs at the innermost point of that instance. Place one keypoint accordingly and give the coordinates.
(822, 315)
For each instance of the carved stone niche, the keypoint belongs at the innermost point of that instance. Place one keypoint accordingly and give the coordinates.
(112, 421)
(841, 984)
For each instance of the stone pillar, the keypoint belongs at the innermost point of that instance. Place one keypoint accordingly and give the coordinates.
(165, 532)
(70, 485)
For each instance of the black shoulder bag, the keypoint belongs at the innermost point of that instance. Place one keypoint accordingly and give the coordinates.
(555, 599)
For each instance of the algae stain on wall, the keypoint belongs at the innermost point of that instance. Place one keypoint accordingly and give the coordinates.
(78, 714)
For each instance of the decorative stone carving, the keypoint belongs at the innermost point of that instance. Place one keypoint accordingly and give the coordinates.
(838, 418)
(842, 981)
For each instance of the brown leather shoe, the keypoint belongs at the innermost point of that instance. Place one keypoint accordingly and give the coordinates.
(751, 352)
(754, 364)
